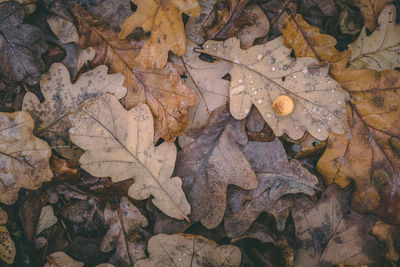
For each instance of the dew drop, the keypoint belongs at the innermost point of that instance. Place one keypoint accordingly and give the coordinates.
(339, 102)
(259, 101)
(332, 91)
(305, 70)
(269, 115)
(259, 57)
(273, 68)
(215, 49)
(285, 67)
(329, 118)
(251, 82)
(319, 130)
(294, 76)
(246, 111)
(255, 92)
(207, 46)
(240, 81)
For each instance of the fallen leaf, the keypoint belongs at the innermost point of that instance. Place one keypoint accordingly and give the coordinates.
(370, 10)
(387, 234)
(125, 233)
(162, 90)
(209, 164)
(24, 158)
(63, 97)
(46, 219)
(307, 147)
(7, 246)
(263, 73)
(79, 212)
(321, 13)
(119, 144)
(62, 259)
(21, 46)
(188, 250)
(113, 12)
(3, 216)
(63, 169)
(350, 20)
(277, 177)
(328, 236)
(164, 20)
(380, 50)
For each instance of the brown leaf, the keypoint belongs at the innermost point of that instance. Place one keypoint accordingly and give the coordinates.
(370, 10)
(3, 216)
(162, 90)
(125, 233)
(119, 144)
(62, 259)
(164, 20)
(7, 246)
(387, 234)
(188, 250)
(113, 12)
(209, 164)
(24, 158)
(328, 236)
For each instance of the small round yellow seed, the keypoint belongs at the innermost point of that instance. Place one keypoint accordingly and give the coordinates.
(283, 105)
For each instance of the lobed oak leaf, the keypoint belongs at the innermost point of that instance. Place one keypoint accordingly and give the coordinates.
(119, 144)
(163, 90)
(63, 97)
(189, 250)
(24, 158)
(264, 73)
(164, 19)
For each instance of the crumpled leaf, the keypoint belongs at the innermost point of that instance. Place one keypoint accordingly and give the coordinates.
(62, 259)
(62, 97)
(370, 10)
(113, 12)
(350, 21)
(7, 246)
(46, 219)
(21, 46)
(24, 158)
(209, 164)
(380, 50)
(276, 177)
(264, 72)
(189, 250)
(119, 144)
(162, 90)
(125, 233)
(328, 236)
(164, 20)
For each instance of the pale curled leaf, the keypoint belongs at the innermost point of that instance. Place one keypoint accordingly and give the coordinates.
(7, 246)
(46, 219)
(24, 158)
(189, 250)
(380, 50)
(63, 97)
(62, 259)
(264, 72)
(119, 144)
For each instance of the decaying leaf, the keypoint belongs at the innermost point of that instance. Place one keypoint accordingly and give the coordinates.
(46, 219)
(113, 12)
(3, 216)
(7, 246)
(164, 20)
(62, 259)
(119, 144)
(276, 177)
(370, 10)
(387, 234)
(380, 50)
(209, 164)
(328, 236)
(21, 46)
(79, 212)
(350, 21)
(162, 90)
(62, 97)
(189, 250)
(263, 73)
(125, 233)
(24, 158)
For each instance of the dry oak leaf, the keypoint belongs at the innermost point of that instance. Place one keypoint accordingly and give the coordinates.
(164, 19)
(329, 236)
(125, 233)
(370, 10)
(163, 90)
(181, 250)
(46, 219)
(63, 97)
(24, 158)
(209, 164)
(380, 50)
(119, 144)
(262, 73)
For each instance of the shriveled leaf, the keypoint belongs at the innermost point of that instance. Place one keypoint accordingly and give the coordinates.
(262, 73)
(380, 50)
(370, 10)
(162, 90)
(24, 158)
(46, 219)
(62, 97)
(125, 233)
(209, 164)
(62, 259)
(21, 46)
(194, 27)
(189, 250)
(276, 177)
(119, 144)
(328, 236)
(164, 20)
(7, 246)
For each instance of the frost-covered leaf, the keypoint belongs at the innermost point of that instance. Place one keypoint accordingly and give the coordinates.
(380, 50)
(7, 246)
(119, 144)
(189, 250)
(63, 97)
(263, 73)
(24, 158)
